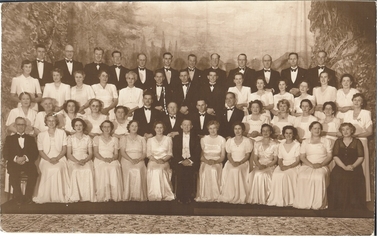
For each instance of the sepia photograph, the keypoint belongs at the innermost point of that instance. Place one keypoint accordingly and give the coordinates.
(204, 118)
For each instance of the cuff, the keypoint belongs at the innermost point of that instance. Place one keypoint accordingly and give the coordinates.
(14, 159)
(27, 159)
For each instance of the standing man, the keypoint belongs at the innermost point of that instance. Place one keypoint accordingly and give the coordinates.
(162, 95)
(92, 69)
(171, 75)
(117, 72)
(222, 79)
(293, 75)
(41, 69)
(20, 153)
(173, 120)
(213, 93)
(201, 118)
(186, 157)
(229, 116)
(68, 66)
(184, 94)
(145, 78)
(271, 76)
(195, 74)
(248, 73)
(314, 73)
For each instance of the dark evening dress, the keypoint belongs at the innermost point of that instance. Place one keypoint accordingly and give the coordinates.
(347, 188)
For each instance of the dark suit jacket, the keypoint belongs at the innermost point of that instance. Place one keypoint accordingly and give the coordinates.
(249, 78)
(177, 126)
(195, 151)
(12, 148)
(301, 76)
(191, 97)
(174, 80)
(197, 78)
(46, 75)
(222, 77)
(313, 78)
(112, 77)
(225, 128)
(144, 126)
(165, 99)
(67, 77)
(149, 79)
(197, 123)
(92, 73)
(273, 81)
(214, 99)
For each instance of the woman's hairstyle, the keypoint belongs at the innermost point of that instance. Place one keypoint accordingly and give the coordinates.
(132, 73)
(349, 76)
(240, 124)
(260, 104)
(80, 120)
(52, 114)
(283, 81)
(295, 133)
(213, 122)
(332, 104)
(308, 101)
(101, 72)
(352, 127)
(267, 125)
(97, 100)
(130, 123)
(107, 121)
(314, 123)
(157, 123)
(79, 72)
(58, 70)
(126, 109)
(43, 100)
(364, 102)
(25, 62)
(25, 93)
(261, 78)
(71, 101)
(283, 101)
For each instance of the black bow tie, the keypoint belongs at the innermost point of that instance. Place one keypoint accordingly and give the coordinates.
(212, 85)
(40, 61)
(321, 67)
(172, 117)
(146, 108)
(141, 68)
(266, 70)
(201, 114)
(118, 66)
(69, 61)
(241, 69)
(293, 70)
(231, 108)
(187, 84)
(167, 69)
(191, 69)
(21, 135)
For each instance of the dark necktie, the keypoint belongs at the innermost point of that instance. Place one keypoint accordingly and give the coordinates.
(241, 69)
(172, 117)
(187, 84)
(201, 114)
(167, 69)
(159, 85)
(118, 67)
(231, 108)
(212, 85)
(321, 67)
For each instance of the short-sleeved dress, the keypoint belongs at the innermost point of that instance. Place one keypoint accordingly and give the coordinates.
(82, 178)
(210, 176)
(347, 188)
(284, 182)
(30, 116)
(266, 99)
(259, 180)
(106, 95)
(255, 125)
(60, 94)
(343, 100)
(134, 175)
(234, 179)
(39, 123)
(159, 175)
(121, 128)
(108, 179)
(312, 183)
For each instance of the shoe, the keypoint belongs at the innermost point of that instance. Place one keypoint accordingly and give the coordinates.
(28, 201)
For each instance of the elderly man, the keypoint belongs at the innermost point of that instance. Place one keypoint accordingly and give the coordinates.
(313, 74)
(248, 73)
(271, 76)
(68, 66)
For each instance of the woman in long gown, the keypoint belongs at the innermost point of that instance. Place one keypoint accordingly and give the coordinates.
(266, 97)
(159, 151)
(255, 120)
(57, 90)
(70, 111)
(283, 118)
(261, 164)
(133, 153)
(108, 179)
(210, 171)
(344, 96)
(81, 166)
(82, 93)
(25, 111)
(304, 88)
(95, 118)
(302, 123)
(323, 94)
(362, 121)
(235, 171)
(313, 175)
(121, 121)
(39, 123)
(284, 177)
(347, 183)
(54, 179)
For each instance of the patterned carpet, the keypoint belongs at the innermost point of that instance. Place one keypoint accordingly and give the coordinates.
(148, 224)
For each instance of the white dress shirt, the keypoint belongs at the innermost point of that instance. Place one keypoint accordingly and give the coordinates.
(229, 114)
(293, 74)
(40, 68)
(117, 70)
(69, 66)
(267, 75)
(159, 91)
(168, 74)
(148, 113)
(131, 97)
(172, 121)
(186, 146)
(26, 84)
(202, 119)
(142, 74)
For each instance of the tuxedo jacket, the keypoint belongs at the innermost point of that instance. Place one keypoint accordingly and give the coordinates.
(225, 128)
(174, 80)
(313, 78)
(214, 99)
(191, 97)
(47, 76)
(195, 119)
(144, 126)
(197, 78)
(273, 80)
(195, 151)
(112, 77)
(12, 148)
(301, 76)
(249, 78)
(92, 73)
(222, 77)
(165, 98)
(177, 126)
(149, 79)
(67, 77)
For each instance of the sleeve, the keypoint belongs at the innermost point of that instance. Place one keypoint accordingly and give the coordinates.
(266, 119)
(140, 98)
(275, 150)
(333, 94)
(327, 144)
(270, 97)
(114, 91)
(116, 143)
(228, 145)
(123, 142)
(69, 141)
(14, 86)
(244, 120)
(303, 147)
(37, 86)
(46, 91)
(248, 146)
(67, 95)
(223, 144)
(143, 142)
(336, 148)
(279, 152)
(360, 148)
(149, 147)
(40, 141)
(90, 92)
(170, 146)
(256, 148)
(11, 118)
(367, 120)
(89, 142)
(96, 141)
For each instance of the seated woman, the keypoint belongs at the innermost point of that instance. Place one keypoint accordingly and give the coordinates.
(54, 178)
(133, 153)
(80, 165)
(241, 92)
(235, 171)
(82, 93)
(266, 97)
(261, 166)
(210, 171)
(121, 121)
(304, 88)
(70, 112)
(283, 118)
(312, 181)
(284, 177)
(108, 179)
(57, 90)
(159, 151)
(25, 111)
(302, 123)
(282, 95)
(255, 120)
(39, 123)
(344, 95)
(330, 123)
(347, 183)
(95, 118)
(131, 96)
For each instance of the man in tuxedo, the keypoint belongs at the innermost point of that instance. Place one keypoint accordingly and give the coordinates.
(214, 93)
(314, 73)
(229, 116)
(145, 78)
(294, 74)
(20, 152)
(162, 94)
(69, 66)
(195, 74)
(171, 75)
(186, 160)
(117, 72)
(172, 120)
(184, 94)
(93, 69)
(271, 76)
(146, 116)
(248, 74)
(222, 79)
(41, 69)
(201, 118)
